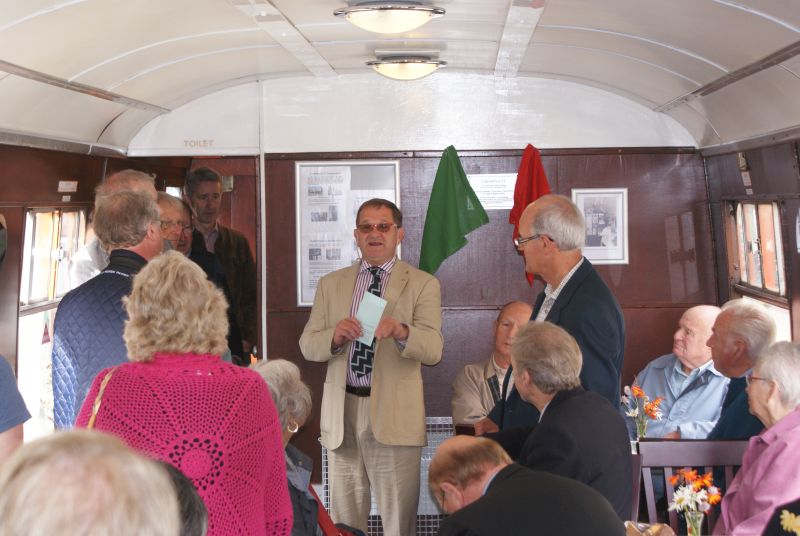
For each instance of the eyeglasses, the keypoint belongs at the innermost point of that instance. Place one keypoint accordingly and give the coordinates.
(519, 241)
(365, 228)
(752, 378)
(165, 225)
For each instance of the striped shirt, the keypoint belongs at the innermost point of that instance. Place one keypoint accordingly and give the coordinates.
(363, 281)
(551, 294)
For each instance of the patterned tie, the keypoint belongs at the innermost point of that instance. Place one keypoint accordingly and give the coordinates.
(361, 363)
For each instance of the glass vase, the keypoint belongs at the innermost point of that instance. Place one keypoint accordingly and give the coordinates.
(641, 429)
(694, 523)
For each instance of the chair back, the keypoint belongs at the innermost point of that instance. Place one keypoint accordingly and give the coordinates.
(636, 487)
(671, 455)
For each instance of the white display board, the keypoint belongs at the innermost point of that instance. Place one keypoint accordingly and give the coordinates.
(327, 196)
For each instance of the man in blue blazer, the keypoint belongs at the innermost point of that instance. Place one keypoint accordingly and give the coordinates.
(552, 235)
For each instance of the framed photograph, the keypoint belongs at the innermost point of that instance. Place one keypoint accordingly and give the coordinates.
(327, 198)
(606, 214)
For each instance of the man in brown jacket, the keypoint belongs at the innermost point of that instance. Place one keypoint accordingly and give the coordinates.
(203, 190)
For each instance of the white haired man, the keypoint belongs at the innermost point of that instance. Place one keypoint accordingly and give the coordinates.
(742, 331)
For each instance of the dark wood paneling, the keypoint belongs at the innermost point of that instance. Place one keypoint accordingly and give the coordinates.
(281, 228)
(669, 231)
(30, 176)
(9, 282)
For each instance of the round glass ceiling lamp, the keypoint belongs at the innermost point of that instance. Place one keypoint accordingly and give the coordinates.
(406, 67)
(389, 17)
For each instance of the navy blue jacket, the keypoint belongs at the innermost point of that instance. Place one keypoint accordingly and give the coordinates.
(588, 311)
(87, 333)
(735, 420)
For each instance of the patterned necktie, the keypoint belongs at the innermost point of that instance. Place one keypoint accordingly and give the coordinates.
(361, 363)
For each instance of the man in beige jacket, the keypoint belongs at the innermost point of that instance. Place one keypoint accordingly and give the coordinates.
(373, 412)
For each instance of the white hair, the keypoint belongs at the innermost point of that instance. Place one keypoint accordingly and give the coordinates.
(559, 218)
(750, 322)
(292, 397)
(781, 362)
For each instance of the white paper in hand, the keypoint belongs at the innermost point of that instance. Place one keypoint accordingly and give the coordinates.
(369, 314)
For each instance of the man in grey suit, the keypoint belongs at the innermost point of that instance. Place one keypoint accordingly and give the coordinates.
(373, 412)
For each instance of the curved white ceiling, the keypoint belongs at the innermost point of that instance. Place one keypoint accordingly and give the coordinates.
(726, 70)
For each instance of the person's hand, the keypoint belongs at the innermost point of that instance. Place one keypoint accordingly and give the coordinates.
(673, 435)
(485, 426)
(388, 327)
(348, 329)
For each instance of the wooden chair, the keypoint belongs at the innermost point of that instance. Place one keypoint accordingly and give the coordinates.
(670, 455)
(636, 487)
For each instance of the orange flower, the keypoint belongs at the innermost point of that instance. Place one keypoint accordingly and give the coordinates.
(707, 480)
(674, 479)
(637, 391)
(689, 475)
(714, 498)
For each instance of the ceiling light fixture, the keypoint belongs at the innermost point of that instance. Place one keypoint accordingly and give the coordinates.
(393, 17)
(406, 67)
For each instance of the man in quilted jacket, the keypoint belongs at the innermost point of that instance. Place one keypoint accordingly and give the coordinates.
(87, 336)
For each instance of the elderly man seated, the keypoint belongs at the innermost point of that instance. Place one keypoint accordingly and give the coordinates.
(474, 480)
(477, 387)
(580, 434)
(741, 332)
(691, 388)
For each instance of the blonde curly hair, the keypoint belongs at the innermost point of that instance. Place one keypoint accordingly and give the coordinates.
(174, 308)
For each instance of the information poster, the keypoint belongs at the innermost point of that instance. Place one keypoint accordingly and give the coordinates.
(328, 197)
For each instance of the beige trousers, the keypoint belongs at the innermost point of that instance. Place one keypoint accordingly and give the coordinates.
(361, 461)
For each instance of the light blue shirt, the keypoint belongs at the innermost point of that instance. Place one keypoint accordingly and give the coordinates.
(692, 402)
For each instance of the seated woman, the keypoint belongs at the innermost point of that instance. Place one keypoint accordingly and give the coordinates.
(178, 402)
(293, 399)
(768, 477)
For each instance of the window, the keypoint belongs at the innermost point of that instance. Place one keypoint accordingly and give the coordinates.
(755, 258)
(51, 239)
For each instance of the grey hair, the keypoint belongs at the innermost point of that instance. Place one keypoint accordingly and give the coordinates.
(127, 179)
(292, 397)
(781, 362)
(750, 322)
(559, 218)
(549, 354)
(170, 200)
(121, 218)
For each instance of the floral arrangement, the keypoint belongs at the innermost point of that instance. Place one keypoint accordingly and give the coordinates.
(641, 409)
(694, 496)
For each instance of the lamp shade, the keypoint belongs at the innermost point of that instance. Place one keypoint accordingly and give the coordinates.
(389, 17)
(406, 67)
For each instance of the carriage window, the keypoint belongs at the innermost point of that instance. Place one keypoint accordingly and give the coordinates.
(759, 256)
(51, 238)
(755, 259)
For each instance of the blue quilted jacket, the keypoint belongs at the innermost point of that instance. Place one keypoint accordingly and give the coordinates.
(87, 336)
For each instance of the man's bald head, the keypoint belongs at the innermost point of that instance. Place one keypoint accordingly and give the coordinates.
(689, 340)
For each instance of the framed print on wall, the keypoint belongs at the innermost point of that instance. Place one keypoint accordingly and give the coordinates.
(606, 214)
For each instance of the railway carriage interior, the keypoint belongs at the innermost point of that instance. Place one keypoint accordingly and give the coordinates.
(692, 107)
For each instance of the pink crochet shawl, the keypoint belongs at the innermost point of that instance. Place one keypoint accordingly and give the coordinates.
(215, 422)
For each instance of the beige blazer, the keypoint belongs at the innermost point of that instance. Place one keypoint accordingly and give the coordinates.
(472, 398)
(397, 407)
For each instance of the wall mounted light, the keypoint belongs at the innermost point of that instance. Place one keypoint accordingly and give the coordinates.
(406, 67)
(393, 17)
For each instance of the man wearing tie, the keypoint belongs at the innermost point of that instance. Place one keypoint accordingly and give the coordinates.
(373, 413)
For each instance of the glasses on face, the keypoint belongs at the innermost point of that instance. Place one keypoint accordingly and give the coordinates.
(365, 228)
(749, 379)
(167, 225)
(518, 242)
